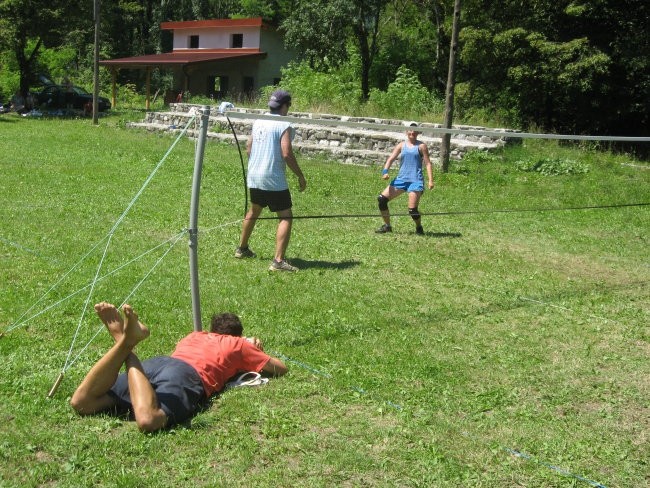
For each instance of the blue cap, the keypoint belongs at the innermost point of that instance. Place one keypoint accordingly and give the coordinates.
(279, 98)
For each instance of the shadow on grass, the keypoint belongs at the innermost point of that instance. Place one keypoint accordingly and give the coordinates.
(305, 264)
(440, 235)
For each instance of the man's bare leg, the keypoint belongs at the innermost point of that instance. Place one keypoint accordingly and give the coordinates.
(92, 394)
(148, 414)
(283, 233)
(249, 224)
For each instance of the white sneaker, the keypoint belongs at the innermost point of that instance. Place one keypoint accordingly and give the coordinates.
(281, 266)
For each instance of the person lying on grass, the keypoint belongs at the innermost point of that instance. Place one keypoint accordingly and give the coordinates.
(166, 390)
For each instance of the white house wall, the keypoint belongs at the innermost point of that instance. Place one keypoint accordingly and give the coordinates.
(216, 38)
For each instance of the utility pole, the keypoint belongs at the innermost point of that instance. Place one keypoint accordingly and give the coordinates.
(449, 92)
(96, 66)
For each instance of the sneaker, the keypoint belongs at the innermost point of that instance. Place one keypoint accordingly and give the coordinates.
(281, 266)
(384, 228)
(419, 230)
(244, 252)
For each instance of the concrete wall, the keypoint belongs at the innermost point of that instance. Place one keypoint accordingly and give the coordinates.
(350, 145)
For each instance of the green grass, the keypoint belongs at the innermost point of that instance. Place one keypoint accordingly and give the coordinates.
(414, 360)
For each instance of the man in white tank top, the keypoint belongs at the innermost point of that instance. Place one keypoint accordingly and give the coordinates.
(269, 153)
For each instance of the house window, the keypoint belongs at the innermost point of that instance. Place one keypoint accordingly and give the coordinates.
(193, 42)
(237, 40)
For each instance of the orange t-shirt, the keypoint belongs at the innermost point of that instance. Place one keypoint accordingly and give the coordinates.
(218, 357)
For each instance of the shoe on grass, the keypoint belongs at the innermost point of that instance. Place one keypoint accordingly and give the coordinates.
(419, 230)
(281, 266)
(244, 252)
(384, 228)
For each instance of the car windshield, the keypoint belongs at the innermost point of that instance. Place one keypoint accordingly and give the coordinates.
(80, 91)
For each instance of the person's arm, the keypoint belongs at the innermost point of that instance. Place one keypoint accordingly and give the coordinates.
(275, 367)
(249, 145)
(427, 164)
(393, 156)
(290, 159)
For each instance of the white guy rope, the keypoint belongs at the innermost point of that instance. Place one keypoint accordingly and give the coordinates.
(70, 362)
(103, 277)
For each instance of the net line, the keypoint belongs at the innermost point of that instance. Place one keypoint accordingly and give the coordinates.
(432, 129)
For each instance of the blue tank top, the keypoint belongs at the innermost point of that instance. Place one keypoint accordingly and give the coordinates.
(410, 168)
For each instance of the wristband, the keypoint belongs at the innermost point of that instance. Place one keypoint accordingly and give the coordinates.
(384, 171)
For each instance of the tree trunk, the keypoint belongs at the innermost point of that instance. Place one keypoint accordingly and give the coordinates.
(449, 94)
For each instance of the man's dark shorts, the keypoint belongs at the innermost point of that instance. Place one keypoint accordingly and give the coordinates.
(177, 385)
(275, 200)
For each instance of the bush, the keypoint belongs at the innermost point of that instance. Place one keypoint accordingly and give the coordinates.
(552, 166)
(477, 156)
(336, 88)
(405, 95)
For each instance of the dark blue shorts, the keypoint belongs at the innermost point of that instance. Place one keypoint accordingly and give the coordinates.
(177, 385)
(275, 200)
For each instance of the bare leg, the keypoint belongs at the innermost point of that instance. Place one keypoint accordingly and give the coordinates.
(249, 224)
(283, 234)
(414, 200)
(148, 414)
(390, 192)
(92, 394)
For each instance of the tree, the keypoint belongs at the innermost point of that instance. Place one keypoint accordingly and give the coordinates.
(568, 66)
(28, 25)
(320, 30)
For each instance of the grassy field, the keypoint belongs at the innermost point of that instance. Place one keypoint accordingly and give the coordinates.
(501, 349)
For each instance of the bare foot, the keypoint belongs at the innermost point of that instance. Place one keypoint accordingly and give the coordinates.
(134, 330)
(110, 316)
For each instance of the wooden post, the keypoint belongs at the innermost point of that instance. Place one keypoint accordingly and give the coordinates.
(96, 67)
(148, 102)
(449, 92)
(114, 87)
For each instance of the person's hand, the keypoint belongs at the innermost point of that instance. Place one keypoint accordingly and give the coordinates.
(256, 342)
(431, 184)
(385, 176)
(302, 183)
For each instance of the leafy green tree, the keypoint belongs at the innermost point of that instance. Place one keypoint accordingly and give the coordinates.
(321, 29)
(26, 26)
(569, 66)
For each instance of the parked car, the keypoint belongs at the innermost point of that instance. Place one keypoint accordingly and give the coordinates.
(57, 96)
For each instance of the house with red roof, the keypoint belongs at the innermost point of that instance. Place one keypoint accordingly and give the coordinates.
(216, 58)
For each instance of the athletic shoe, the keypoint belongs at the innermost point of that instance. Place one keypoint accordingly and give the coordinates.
(244, 252)
(384, 228)
(281, 266)
(419, 230)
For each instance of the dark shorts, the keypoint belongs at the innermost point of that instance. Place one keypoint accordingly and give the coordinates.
(177, 385)
(275, 200)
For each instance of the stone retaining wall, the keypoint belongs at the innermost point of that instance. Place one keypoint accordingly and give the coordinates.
(350, 145)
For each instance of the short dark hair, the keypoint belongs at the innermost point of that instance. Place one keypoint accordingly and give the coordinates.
(227, 324)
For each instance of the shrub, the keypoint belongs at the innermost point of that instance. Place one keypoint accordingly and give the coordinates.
(552, 166)
(335, 88)
(405, 95)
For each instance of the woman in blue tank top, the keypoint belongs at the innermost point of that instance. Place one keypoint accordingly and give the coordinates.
(412, 152)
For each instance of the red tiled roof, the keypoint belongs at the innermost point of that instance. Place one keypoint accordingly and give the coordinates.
(182, 56)
(194, 24)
